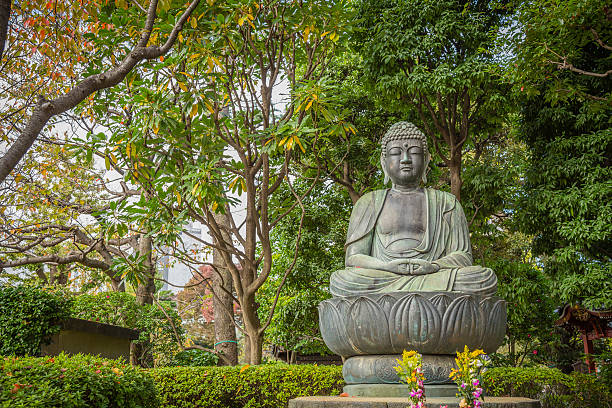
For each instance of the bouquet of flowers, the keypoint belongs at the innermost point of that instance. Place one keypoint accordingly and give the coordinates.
(470, 365)
(410, 371)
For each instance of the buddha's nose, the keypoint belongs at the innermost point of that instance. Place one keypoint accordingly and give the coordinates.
(405, 157)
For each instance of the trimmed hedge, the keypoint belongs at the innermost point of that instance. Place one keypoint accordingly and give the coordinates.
(74, 381)
(553, 388)
(264, 386)
(29, 316)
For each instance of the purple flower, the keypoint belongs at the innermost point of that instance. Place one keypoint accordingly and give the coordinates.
(475, 383)
(463, 385)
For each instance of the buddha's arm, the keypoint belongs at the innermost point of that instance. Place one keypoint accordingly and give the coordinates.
(357, 255)
(458, 248)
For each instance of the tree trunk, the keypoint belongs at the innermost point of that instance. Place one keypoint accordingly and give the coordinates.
(58, 275)
(146, 289)
(255, 348)
(223, 304)
(141, 352)
(455, 176)
(254, 335)
(5, 13)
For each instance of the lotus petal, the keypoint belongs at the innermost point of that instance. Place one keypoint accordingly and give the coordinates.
(414, 324)
(494, 321)
(441, 302)
(387, 302)
(333, 329)
(367, 326)
(461, 324)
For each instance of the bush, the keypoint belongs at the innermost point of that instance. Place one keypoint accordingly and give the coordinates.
(553, 388)
(76, 381)
(29, 316)
(119, 308)
(194, 358)
(264, 386)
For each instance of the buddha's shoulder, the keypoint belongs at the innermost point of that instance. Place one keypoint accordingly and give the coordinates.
(443, 198)
(369, 197)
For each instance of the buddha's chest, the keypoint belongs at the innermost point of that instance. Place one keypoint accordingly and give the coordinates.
(402, 217)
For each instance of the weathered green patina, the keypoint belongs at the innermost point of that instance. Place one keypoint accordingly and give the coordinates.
(409, 238)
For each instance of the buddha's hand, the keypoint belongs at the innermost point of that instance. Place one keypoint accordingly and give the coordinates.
(403, 266)
(422, 267)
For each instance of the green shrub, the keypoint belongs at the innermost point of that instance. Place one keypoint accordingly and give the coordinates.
(29, 316)
(264, 386)
(195, 357)
(553, 388)
(74, 381)
(119, 308)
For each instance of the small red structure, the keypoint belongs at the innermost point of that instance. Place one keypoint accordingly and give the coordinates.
(592, 324)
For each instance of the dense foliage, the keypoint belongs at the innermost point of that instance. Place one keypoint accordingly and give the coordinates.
(295, 326)
(157, 332)
(75, 381)
(514, 97)
(432, 60)
(553, 388)
(194, 358)
(567, 201)
(29, 316)
(264, 386)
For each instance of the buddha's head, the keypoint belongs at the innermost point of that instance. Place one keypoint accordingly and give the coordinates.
(404, 155)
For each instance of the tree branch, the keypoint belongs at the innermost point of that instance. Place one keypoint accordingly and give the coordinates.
(5, 13)
(46, 109)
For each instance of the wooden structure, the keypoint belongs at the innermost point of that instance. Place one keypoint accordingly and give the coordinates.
(591, 324)
(87, 337)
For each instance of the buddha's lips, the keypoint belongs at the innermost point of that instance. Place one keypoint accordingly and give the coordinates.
(406, 168)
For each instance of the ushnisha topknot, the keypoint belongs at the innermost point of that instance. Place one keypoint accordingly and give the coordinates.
(401, 131)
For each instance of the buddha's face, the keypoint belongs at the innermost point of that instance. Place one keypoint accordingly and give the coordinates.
(405, 162)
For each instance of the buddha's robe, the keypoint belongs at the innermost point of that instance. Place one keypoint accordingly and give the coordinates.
(446, 242)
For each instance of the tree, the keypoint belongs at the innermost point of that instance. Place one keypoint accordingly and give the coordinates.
(435, 57)
(51, 215)
(352, 164)
(203, 299)
(103, 77)
(555, 43)
(295, 325)
(565, 121)
(208, 131)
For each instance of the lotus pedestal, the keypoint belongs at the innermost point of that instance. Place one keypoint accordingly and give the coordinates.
(371, 332)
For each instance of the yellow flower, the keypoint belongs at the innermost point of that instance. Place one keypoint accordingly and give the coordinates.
(476, 353)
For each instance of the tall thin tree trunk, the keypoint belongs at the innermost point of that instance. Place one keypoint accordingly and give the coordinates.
(223, 305)
(252, 327)
(455, 176)
(141, 352)
(146, 289)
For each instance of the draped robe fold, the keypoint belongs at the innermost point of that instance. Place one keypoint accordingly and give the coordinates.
(446, 242)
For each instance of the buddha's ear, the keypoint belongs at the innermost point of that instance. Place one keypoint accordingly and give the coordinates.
(426, 168)
(384, 169)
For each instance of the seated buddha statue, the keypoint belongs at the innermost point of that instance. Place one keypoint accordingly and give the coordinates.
(408, 238)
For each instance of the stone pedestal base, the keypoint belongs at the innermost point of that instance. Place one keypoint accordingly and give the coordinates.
(380, 369)
(397, 390)
(355, 402)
